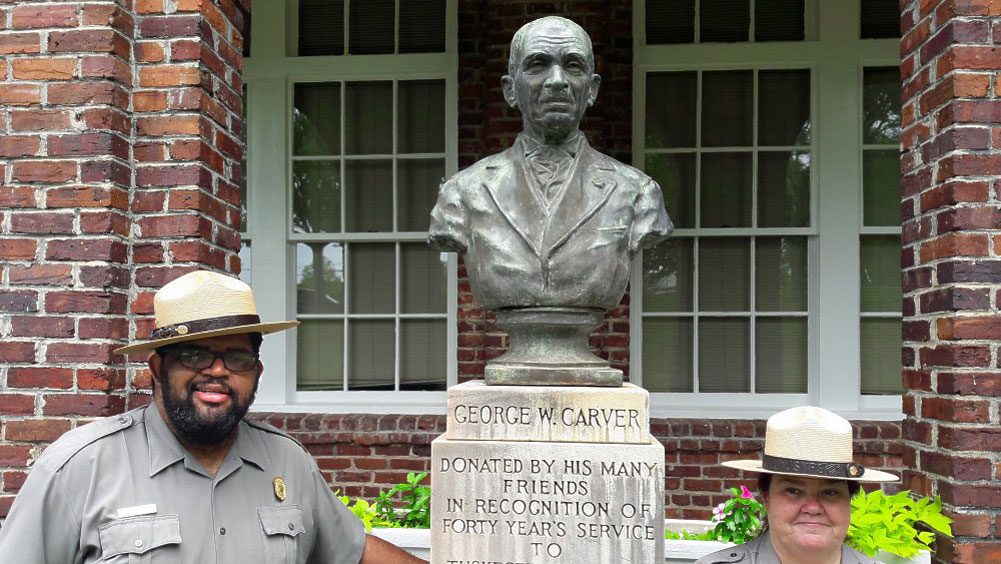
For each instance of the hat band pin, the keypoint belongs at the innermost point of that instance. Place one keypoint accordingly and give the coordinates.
(794, 466)
(203, 325)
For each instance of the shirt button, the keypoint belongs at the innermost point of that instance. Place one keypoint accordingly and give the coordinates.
(138, 543)
(222, 530)
(291, 527)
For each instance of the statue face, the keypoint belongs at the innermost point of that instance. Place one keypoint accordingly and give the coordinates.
(554, 82)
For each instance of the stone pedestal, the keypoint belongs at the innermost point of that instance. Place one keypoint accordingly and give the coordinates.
(547, 475)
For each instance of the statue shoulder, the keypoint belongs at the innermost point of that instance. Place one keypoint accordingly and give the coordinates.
(629, 173)
(482, 168)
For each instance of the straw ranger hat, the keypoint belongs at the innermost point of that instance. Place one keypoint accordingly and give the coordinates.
(200, 305)
(811, 442)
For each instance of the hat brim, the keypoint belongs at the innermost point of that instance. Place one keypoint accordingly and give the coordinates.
(263, 328)
(755, 466)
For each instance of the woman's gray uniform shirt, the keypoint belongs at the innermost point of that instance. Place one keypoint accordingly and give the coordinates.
(760, 551)
(123, 490)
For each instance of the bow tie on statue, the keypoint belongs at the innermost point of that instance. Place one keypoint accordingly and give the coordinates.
(551, 168)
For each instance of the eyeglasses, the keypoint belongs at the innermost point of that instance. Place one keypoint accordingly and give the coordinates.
(200, 359)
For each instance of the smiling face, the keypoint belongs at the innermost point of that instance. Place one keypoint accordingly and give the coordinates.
(204, 406)
(552, 80)
(807, 515)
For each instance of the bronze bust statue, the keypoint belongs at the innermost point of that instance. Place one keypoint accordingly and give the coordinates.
(548, 227)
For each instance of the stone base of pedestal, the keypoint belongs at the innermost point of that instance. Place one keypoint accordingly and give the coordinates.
(533, 502)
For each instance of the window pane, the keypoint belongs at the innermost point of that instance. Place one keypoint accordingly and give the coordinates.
(425, 274)
(880, 19)
(371, 349)
(368, 122)
(423, 348)
(319, 277)
(778, 20)
(724, 20)
(316, 119)
(418, 182)
(880, 263)
(783, 189)
(727, 108)
(245, 263)
(784, 107)
(726, 190)
(670, 21)
(780, 357)
(724, 274)
(881, 187)
(368, 202)
(670, 109)
(422, 26)
(372, 278)
(780, 275)
(881, 366)
(881, 105)
(676, 176)
(667, 354)
(316, 196)
(667, 276)
(371, 30)
(321, 27)
(724, 355)
(422, 116)
(320, 355)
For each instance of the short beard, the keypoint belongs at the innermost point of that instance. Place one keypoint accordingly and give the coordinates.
(194, 430)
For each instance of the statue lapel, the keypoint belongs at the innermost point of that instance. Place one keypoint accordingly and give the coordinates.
(508, 189)
(592, 184)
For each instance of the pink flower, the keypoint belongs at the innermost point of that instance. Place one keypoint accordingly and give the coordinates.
(746, 493)
(718, 513)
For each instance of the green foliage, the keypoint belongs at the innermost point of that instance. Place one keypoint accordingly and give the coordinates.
(364, 511)
(685, 535)
(416, 511)
(739, 519)
(887, 523)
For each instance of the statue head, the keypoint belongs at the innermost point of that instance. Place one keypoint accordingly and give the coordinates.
(551, 77)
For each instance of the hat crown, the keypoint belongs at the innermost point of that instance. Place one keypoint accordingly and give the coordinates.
(809, 433)
(202, 295)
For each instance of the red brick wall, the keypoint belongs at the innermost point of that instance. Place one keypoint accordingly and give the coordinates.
(361, 455)
(951, 266)
(487, 125)
(188, 144)
(64, 151)
(120, 140)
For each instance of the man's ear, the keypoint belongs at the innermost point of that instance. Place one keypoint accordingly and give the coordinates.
(593, 94)
(507, 85)
(155, 364)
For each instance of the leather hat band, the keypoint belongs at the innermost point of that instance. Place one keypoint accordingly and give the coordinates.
(829, 469)
(204, 325)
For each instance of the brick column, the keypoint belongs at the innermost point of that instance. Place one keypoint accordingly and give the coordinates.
(487, 125)
(64, 150)
(188, 145)
(951, 266)
(120, 147)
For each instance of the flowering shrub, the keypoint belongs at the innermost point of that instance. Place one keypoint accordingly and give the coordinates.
(737, 520)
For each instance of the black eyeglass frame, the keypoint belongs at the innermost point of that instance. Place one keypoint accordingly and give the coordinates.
(226, 356)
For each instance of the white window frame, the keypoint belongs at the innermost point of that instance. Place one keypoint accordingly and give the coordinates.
(270, 76)
(836, 57)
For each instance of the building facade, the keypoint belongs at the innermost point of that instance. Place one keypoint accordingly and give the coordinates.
(831, 168)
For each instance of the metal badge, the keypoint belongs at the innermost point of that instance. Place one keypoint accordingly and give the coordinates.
(280, 488)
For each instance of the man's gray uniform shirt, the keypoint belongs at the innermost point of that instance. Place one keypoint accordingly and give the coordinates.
(123, 490)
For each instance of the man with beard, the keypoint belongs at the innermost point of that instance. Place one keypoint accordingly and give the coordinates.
(187, 478)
